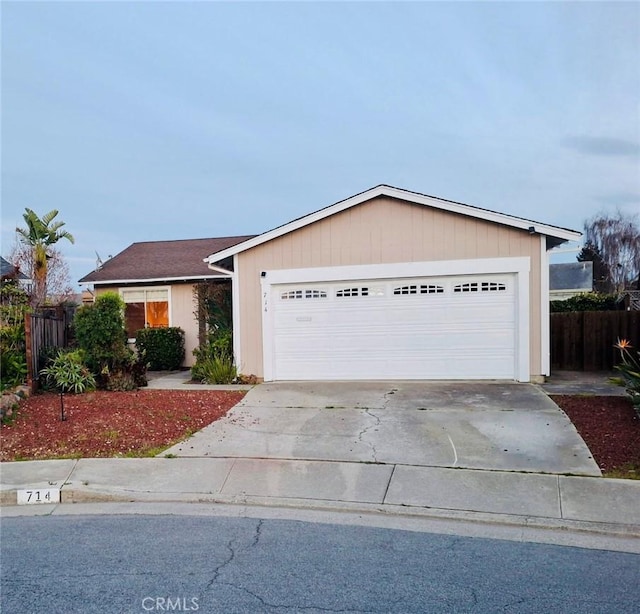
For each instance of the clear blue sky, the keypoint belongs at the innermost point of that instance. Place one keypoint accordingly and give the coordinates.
(175, 120)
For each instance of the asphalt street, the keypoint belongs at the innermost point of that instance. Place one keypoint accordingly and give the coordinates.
(116, 564)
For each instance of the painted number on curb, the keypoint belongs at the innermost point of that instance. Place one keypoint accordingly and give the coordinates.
(40, 495)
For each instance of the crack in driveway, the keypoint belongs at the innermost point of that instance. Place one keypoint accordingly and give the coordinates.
(375, 425)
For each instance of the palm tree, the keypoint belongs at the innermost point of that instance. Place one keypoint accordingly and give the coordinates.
(39, 235)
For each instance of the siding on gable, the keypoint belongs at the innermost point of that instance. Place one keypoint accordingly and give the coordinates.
(383, 230)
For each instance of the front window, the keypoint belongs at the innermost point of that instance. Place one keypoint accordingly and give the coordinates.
(145, 309)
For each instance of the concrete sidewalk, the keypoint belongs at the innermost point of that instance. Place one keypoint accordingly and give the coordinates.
(181, 380)
(598, 505)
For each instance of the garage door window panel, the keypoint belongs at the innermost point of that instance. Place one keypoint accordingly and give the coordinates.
(492, 286)
(485, 286)
(350, 292)
(418, 289)
(290, 295)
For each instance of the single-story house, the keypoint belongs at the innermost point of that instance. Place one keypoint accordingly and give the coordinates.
(156, 279)
(386, 284)
(567, 279)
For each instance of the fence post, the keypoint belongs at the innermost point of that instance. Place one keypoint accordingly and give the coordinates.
(29, 352)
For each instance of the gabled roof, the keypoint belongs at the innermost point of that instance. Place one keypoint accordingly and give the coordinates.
(555, 235)
(162, 261)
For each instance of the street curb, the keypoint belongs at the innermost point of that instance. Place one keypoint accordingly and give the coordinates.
(88, 495)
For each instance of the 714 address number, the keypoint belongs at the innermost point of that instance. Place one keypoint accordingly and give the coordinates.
(40, 495)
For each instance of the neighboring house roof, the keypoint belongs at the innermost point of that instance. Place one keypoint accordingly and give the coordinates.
(162, 261)
(555, 235)
(571, 276)
(8, 270)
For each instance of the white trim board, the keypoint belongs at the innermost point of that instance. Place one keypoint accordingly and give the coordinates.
(235, 315)
(563, 234)
(545, 325)
(399, 269)
(164, 280)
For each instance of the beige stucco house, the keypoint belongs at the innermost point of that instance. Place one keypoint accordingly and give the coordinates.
(387, 284)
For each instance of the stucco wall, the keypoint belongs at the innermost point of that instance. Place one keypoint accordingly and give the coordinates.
(182, 315)
(382, 230)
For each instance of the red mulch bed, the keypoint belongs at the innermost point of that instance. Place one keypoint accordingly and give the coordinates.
(610, 427)
(104, 424)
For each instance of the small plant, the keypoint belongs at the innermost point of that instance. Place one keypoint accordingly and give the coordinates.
(214, 359)
(46, 356)
(13, 369)
(216, 369)
(120, 381)
(68, 373)
(629, 370)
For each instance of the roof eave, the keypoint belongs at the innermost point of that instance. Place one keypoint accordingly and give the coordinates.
(560, 234)
(110, 282)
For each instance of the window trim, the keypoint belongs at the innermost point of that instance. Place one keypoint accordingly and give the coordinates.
(145, 289)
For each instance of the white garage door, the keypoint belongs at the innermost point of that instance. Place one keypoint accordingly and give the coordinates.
(460, 327)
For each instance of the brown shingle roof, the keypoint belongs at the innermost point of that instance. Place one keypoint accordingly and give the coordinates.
(162, 260)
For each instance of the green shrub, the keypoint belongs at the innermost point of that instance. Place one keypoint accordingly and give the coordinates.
(216, 369)
(13, 369)
(129, 376)
(121, 381)
(100, 332)
(68, 373)
(162, 348)
(218, 342)
(588, 301)
(629, 370)
(13, 356)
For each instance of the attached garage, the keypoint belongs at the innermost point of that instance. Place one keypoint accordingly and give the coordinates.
(412, 328)
(391, 284)
(405, 323)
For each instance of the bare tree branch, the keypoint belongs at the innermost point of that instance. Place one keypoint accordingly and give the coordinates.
(616, 238)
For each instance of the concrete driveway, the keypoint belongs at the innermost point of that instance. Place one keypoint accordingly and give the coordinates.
(480, 425)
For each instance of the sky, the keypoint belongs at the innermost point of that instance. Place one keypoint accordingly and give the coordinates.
(146, 121)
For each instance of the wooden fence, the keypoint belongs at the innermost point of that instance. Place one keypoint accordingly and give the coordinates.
(584, 340)
(47, 327)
